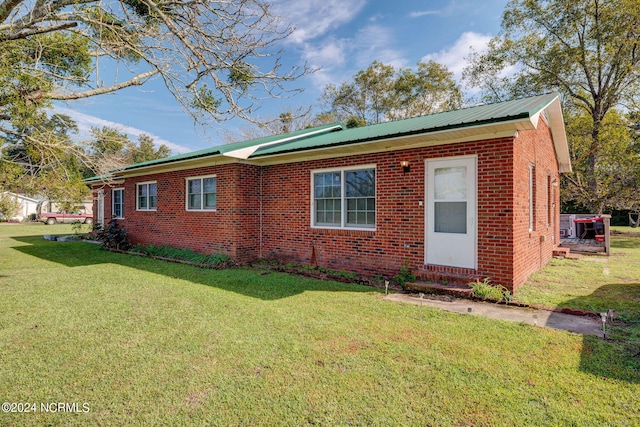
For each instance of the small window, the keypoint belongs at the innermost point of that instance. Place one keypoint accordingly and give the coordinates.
(117, 197)
(202, 193)
(450, 200)
(147, 196)
(344, 198)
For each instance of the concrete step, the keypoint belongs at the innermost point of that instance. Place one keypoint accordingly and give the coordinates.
(439, 288)
(564, 252)
(447, 278)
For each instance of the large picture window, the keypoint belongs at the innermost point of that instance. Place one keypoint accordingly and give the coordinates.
(201, 193)
(147, 196)
(117, 197)
(344, 198)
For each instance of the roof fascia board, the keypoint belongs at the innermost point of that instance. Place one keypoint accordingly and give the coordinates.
(20, 196)
(212, 160)
(558, 132)
(116, 180)
(555, 120)
(367, 147)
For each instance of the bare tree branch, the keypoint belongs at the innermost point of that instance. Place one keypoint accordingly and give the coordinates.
(136, 81)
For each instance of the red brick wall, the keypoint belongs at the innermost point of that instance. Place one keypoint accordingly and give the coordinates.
(283, 231)
(533, 249)
(231, 229)
(400, 234)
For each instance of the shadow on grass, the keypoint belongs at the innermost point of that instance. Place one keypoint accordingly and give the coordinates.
(262, 284)
(617, 356)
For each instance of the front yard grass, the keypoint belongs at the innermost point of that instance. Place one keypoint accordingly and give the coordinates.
(146, 342)
(598, 283)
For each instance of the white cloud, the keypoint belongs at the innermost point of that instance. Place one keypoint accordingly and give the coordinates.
(418, 14)
(314, 18)
(337, 58)
(448, 10)
(376, 42)
(456, 57)
(329, 52)
(341, 59)
(85, 122)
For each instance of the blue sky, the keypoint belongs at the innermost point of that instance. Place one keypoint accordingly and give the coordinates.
(340, 37)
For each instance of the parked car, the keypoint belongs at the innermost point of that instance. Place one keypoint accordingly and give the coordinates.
(50, 213)
(66, 217)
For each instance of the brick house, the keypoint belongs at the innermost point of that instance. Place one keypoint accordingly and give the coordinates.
(466, 193)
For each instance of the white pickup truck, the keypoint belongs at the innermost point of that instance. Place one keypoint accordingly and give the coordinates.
(65, 217)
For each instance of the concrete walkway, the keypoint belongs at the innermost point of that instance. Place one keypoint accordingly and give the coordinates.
(586, 325)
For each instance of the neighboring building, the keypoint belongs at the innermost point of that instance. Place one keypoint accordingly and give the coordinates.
(28, 207)
(455, 195)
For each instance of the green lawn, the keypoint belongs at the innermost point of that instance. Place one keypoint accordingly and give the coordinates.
(145, 342)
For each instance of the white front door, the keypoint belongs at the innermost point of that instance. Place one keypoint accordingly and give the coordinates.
(451, 212)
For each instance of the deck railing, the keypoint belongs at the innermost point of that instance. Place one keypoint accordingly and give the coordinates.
(574, 228)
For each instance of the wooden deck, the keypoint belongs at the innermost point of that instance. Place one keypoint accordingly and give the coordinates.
(583, 245)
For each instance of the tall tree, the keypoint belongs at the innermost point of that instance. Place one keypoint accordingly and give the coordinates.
(209, 53)
(430, 89)
(146, 151)
(38, 158)
(589, 50)
(111, 149)
(218, 58)
(380, 93)
(618, 168)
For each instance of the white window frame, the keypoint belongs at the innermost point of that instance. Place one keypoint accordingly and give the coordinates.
(343, 206)
(145, 208)
(113, 202)
(186, 191)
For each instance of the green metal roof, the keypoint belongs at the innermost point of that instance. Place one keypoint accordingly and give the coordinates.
(455, 119)
(228, 148)
(337, 135)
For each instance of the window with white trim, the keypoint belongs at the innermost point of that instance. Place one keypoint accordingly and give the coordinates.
(344, 198)
(117, 203)
(202, 193)
(146, 196)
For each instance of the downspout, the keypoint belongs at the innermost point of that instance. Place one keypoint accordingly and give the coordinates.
(261, 213)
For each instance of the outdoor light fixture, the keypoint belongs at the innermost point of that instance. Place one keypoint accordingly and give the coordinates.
(405, 166)
(603, 316)
(554, 182)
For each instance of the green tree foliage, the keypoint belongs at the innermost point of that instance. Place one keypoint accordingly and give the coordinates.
(218, 58)
(589, 51)
(111, 149)
(9, 205)
(618, 167)
(381, 92)
(38, 158)
(146, 151)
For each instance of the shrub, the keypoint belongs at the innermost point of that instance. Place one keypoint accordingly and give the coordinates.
(9, 206)
(169, 252)
(485, 289)
(113, 236)
(405, 276)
